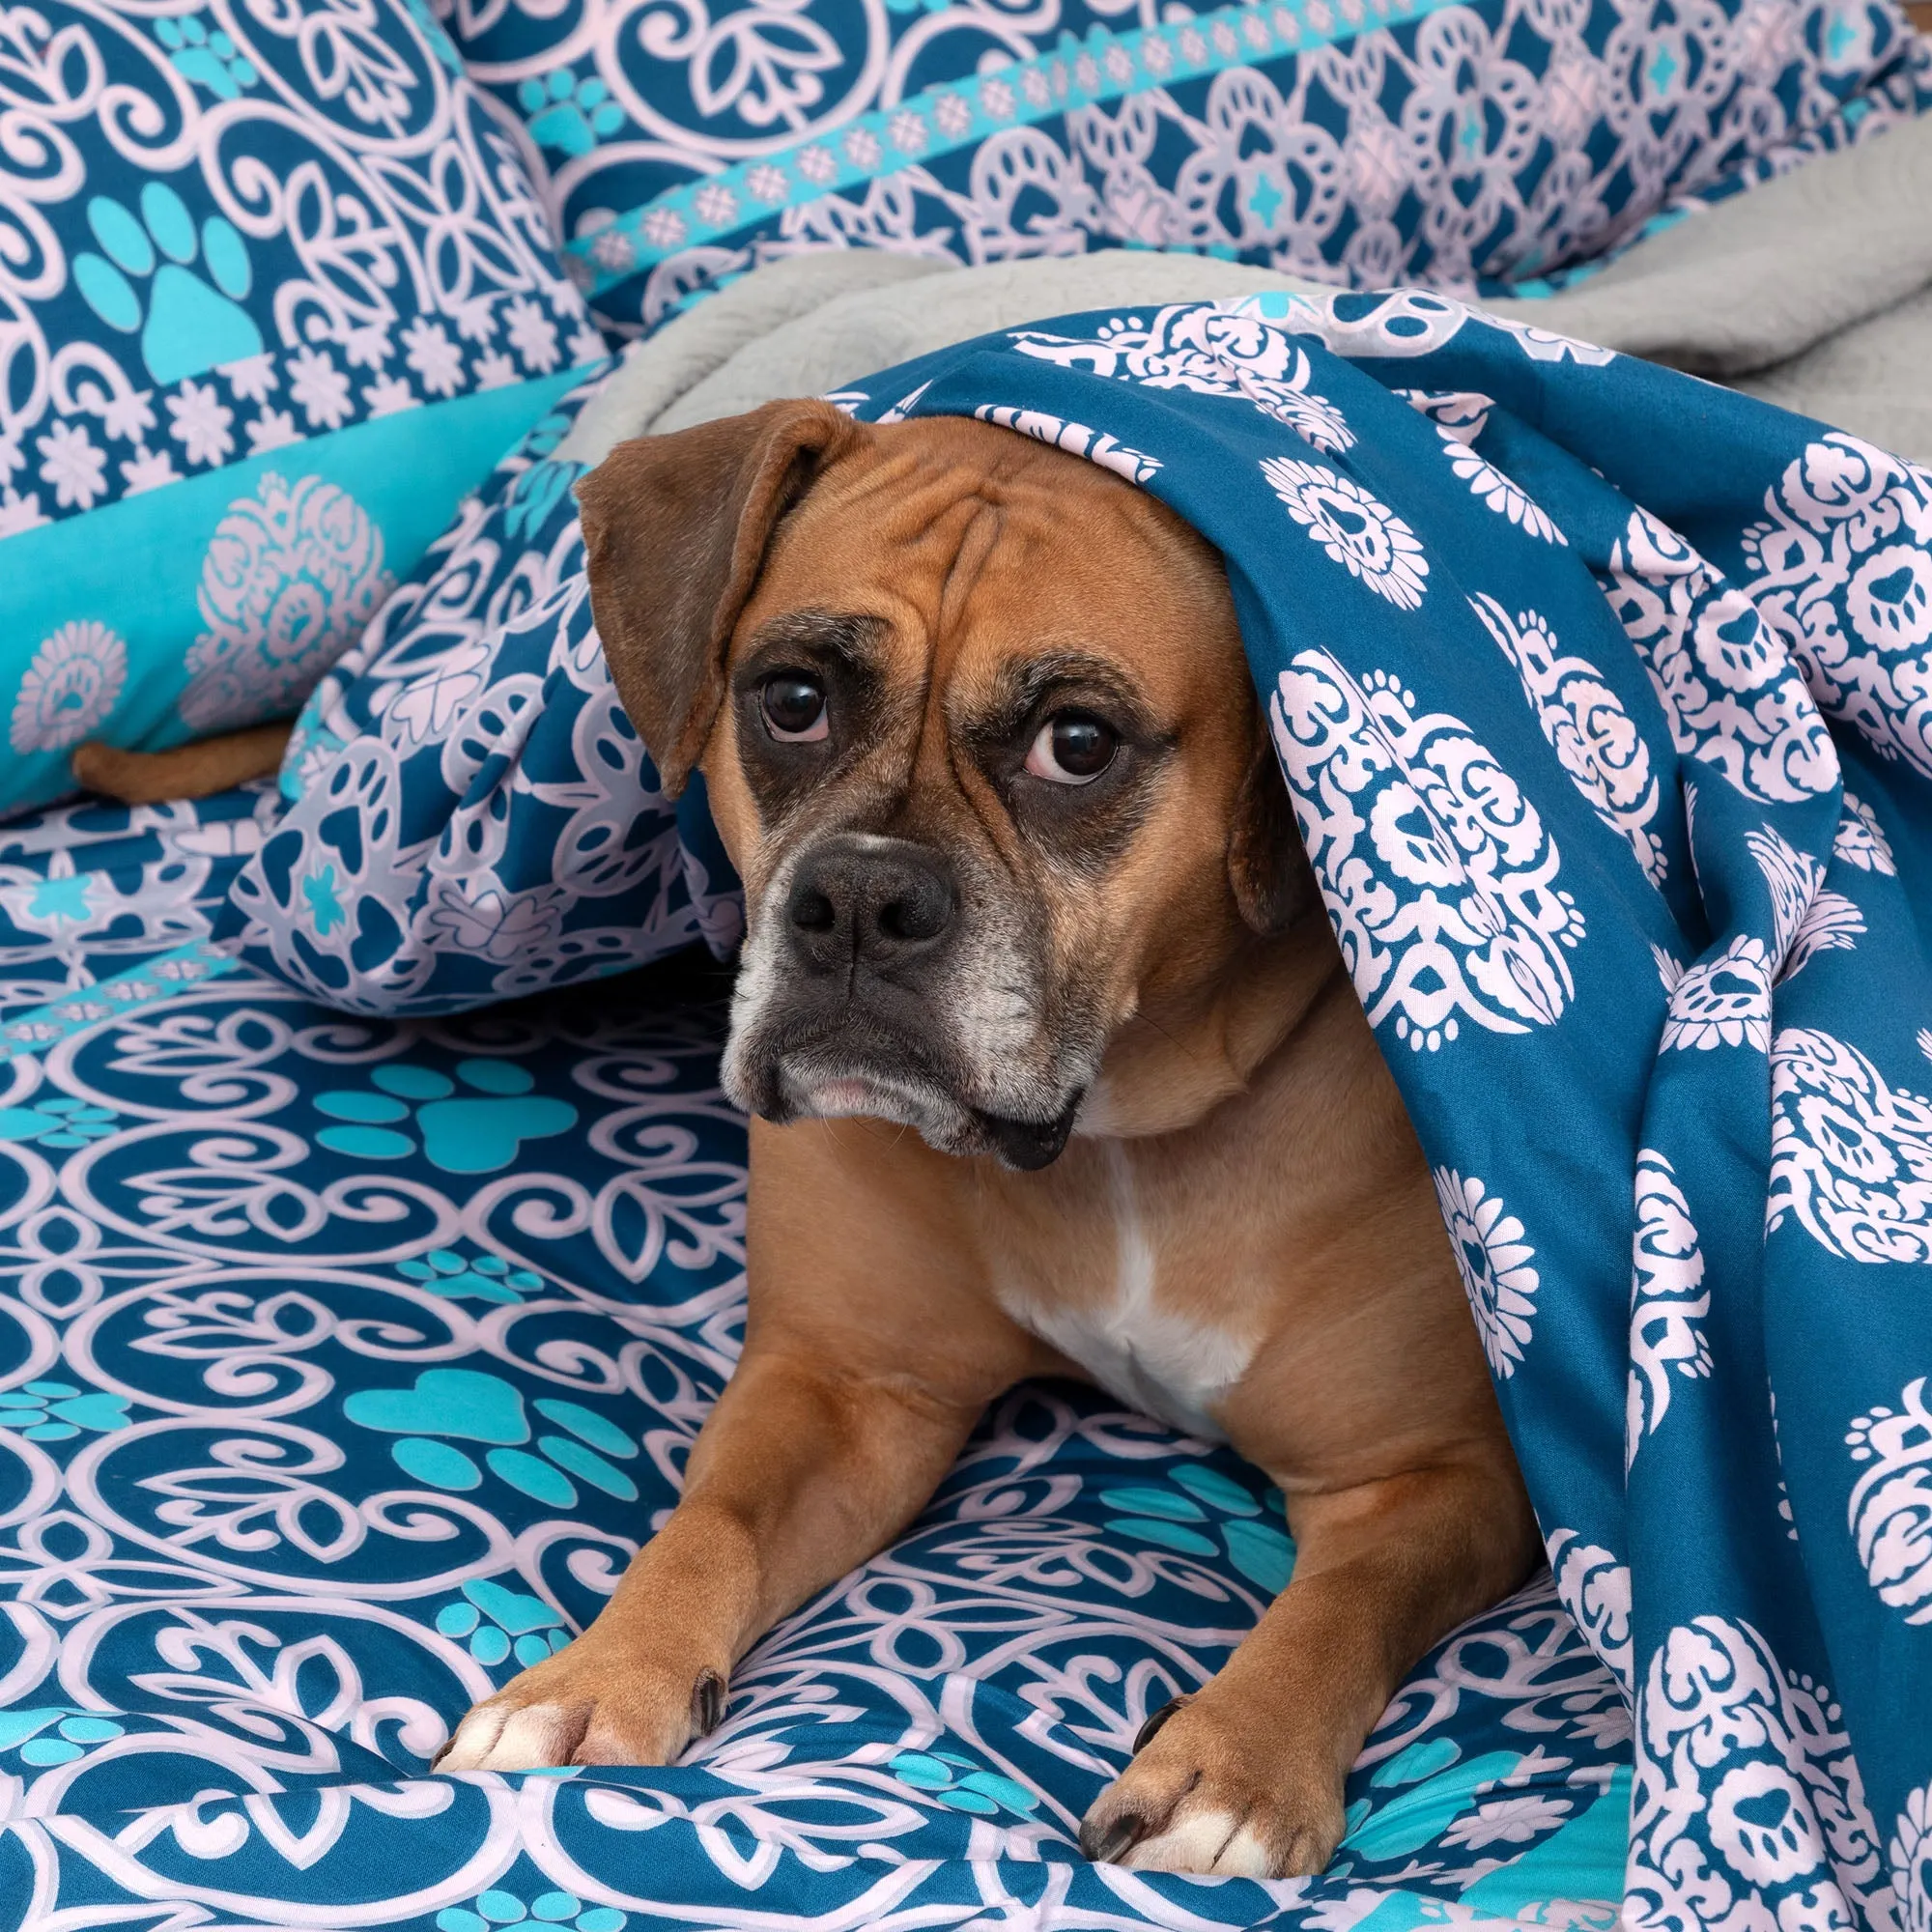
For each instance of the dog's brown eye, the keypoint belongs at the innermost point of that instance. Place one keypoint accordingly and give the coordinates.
(794, 707)
(1074, 748)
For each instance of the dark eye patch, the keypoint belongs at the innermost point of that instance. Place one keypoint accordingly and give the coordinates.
(843, 654)
(1085, 826)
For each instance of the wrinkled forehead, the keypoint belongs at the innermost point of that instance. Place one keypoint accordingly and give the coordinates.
(972, 547)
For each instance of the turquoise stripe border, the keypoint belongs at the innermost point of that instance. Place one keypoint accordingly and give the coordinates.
(960, 114)
(153, 983)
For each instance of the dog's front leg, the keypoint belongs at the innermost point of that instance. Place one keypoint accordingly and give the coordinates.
(801, 1472)
(1246, 1775)
(869, 1357)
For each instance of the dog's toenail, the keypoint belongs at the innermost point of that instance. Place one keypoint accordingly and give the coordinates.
(448, 1745)
(1156, 1719)
(1108, 1847)
(707, 1702)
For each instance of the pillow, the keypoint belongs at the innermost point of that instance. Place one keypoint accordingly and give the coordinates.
(275, 291)
(450, 836)
(1361, 141)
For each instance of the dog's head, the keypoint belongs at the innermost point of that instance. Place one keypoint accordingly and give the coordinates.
(977, 733)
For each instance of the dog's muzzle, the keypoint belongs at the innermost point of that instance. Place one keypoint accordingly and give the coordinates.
(861, 1008)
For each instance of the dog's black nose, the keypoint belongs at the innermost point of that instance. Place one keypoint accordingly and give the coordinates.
(877, 901)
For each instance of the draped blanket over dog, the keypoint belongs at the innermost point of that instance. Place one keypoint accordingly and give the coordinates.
(1605, 701)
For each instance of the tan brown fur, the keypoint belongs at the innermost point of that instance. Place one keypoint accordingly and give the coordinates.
(1242, 1153)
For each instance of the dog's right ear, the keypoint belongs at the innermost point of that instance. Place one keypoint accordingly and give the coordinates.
(675, 529)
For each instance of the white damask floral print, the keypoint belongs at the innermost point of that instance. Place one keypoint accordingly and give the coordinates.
(68, 688)
(1734, 698)
(1212, 351)
(1437, 871)
(1851, 1155)
(1890, 1506)
(1842, 570)
(1493, 1259)
(1860, 839)
(1669, 1301)
(1364, 536)
(1077, 439)
(1808, 917)
(292, 576)
(1587, 727)
(1459, 417)
(1748, 1807)
(1722, 1001)
(1595, 1588)
(1911, 1855)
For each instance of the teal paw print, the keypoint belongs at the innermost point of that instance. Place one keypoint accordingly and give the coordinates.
(54, 1411)
(209, 59)
(450, 1405)
(25, 1731)
(192, 325)
(568, 114)
(486, 1278)
(501, 1622)
(60, 1123)
(501, 1910)
(959, 1785)
(460, 1135)
(1198, 1500)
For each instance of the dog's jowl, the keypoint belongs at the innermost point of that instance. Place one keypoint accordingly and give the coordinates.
(1053, 1067)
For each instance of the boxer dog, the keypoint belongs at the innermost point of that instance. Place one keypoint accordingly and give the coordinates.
(1054, 1070)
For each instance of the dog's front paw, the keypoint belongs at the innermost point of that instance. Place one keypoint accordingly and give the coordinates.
(592, 1703)
(1206, 1793)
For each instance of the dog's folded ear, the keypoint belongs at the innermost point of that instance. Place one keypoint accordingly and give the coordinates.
(675, 529)
(1267, 864)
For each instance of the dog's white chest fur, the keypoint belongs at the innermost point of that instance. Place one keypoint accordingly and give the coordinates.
(1153, 1359)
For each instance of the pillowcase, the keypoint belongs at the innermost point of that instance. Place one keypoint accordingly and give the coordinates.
(470, 815)
(275, 291)
(1357, 141)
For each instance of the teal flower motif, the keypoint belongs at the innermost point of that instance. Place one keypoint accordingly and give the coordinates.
(487, 1277)
(960, 1785)
(469, 1407)
(1197, 1503)
(499, 1911)
(59, 1123)
(499, 1621)
(72, 1731)
(55, 1412)
(536, 493)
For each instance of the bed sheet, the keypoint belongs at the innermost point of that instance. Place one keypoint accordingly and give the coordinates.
(343, 1362)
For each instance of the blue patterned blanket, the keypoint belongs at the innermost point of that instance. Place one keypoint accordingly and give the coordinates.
(1606, 698)
(342, 1363)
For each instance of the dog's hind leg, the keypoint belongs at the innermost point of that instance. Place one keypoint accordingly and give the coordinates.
(1246, 1776)
(189, 771)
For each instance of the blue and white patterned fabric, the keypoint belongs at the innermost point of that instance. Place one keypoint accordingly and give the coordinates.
(249, 255)
(1604, 698)
(1357, 141)
(344, 1362)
